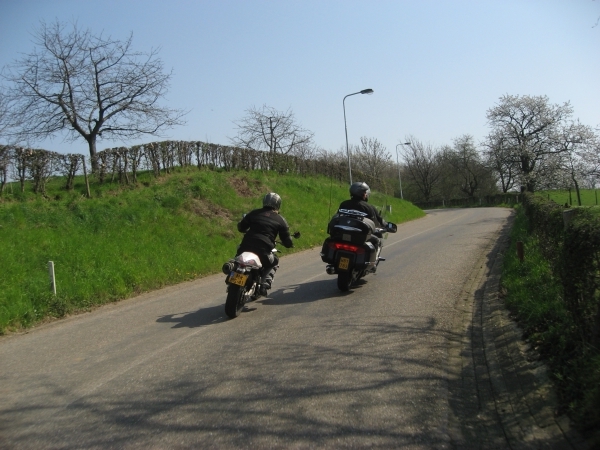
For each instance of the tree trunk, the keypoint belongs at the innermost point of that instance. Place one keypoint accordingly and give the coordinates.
(577, 191)
(85, 176)
(570, 198)
(531, 186)
(93, 155)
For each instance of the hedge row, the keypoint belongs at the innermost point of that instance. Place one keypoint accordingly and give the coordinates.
(122, 164)
(569, 240)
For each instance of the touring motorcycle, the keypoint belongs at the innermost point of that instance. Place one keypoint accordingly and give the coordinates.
(244, 280)
(350, 251)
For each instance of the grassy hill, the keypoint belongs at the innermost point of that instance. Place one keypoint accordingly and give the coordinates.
(125, 240)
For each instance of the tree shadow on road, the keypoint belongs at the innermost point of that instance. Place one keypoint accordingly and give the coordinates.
(357, 391)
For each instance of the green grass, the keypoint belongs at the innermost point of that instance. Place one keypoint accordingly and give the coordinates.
(125, 240)
(589, 197)
(532, 290)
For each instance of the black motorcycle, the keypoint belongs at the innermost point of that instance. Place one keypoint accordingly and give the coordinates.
(353, 247)
(244, 280)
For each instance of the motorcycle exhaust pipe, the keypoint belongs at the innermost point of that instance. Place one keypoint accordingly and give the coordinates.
(227, 268)
(330, 269)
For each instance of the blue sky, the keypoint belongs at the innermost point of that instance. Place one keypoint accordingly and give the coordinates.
(436, 66)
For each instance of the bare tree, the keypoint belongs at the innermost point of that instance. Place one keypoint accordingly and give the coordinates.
(5, 150)
(306, 151)
(87, 86)
(3, 113)
(271, 130)
(372, 158)
(498, 159)
(422, 167)
(5, 158)
(527, 125)
(464, 168)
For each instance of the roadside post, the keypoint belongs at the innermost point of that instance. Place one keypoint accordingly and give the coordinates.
(52, 278)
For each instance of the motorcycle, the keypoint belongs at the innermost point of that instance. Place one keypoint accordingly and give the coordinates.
(350, 251)
(244, 280)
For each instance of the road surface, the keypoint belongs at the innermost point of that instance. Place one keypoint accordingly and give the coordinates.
(307, 367)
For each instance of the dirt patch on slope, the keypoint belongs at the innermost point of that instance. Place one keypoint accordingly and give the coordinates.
(245, 187)
(204, 208)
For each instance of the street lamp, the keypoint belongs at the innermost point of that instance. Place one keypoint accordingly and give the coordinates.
(398, 162)
(364, 91)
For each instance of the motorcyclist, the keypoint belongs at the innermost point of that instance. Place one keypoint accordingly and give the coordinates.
(261, 227)
(359, 192)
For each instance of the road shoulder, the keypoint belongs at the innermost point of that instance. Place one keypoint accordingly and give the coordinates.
(499, 393)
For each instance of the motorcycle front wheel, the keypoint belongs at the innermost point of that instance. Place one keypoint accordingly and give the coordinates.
(235, 300)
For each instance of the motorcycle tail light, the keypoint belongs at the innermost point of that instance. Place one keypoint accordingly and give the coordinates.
(346, 247)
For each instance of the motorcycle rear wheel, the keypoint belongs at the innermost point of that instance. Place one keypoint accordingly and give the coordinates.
(344, 281)
(235, 300)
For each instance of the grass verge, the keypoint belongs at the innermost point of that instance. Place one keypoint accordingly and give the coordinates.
(125, 240)
(534, 295)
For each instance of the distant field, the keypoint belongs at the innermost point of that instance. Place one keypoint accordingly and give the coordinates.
(589, 197)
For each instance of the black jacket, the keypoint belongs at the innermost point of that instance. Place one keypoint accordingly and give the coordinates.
(362, 206)
(262, 226)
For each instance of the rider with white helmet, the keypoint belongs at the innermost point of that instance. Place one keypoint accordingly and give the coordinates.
(261, 227)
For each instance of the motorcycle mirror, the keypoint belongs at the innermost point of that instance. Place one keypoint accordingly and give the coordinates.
(391, 227)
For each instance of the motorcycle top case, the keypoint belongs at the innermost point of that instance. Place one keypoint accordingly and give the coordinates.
(355, 230)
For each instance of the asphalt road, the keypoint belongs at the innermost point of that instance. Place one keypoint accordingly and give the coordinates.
(307, 367)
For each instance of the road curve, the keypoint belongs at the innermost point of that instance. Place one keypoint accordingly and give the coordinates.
(307, 367)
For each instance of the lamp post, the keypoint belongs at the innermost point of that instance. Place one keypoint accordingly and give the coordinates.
(398, 162)
(364, 91)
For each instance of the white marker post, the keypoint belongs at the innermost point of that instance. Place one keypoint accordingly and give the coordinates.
(51, 274)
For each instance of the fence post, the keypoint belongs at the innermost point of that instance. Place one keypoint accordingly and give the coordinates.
(520, 251)
(52, 278)
(568, 215)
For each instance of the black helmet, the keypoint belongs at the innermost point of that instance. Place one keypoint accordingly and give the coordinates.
(359, 188)
(272, 200)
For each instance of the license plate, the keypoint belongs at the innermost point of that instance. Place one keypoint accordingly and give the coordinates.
(344, 262)
(238, 278)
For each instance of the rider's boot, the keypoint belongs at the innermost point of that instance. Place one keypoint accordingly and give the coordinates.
(267, 281)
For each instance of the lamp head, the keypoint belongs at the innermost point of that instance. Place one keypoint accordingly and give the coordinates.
(367, 91)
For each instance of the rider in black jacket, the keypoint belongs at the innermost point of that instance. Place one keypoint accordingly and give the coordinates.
(261, 228)
(360, 196)
(360, 192)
